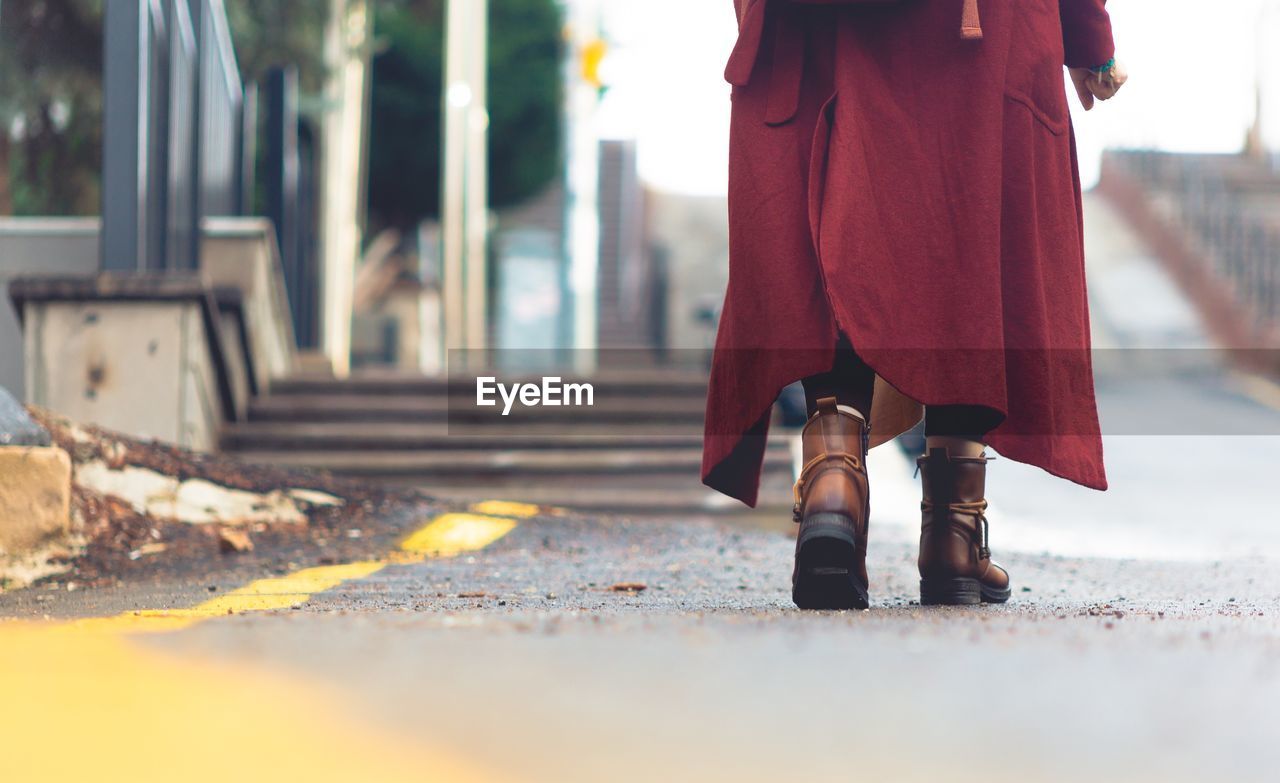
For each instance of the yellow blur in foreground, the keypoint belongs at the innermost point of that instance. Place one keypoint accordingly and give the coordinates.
(85, 705)
(86, 701)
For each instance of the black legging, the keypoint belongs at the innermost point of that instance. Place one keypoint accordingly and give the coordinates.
(852, 383)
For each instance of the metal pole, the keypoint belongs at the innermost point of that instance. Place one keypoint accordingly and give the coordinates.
(457, 98)
(346, 54)
(126, 62)
(246, 151)
(198, 12)
(584, 176)
(156, 223)
(477, 181)
(282, 190)
(184, 167)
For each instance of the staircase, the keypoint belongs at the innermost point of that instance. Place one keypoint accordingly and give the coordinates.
(638, 450)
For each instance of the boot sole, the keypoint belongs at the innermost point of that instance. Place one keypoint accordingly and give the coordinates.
(827, 567)
(960, 591)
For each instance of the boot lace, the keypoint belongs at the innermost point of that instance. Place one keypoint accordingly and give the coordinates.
(974, 508)
(851, 461)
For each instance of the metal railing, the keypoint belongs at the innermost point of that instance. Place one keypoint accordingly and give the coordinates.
(290, 200)
(221, 107)
(180, 145)
(155, 153)
(1231, 205)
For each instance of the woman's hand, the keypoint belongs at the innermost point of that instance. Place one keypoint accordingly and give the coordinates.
(1098, 85)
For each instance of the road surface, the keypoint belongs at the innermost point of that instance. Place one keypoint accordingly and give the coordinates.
(509, 643)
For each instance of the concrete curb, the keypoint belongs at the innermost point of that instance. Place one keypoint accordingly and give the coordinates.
(35, 499)
(35, 496)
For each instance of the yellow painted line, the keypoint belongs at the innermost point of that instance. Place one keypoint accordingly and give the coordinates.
(449, 535)
(102, 707)
(262, 595)
(506, 508)
(288, 590)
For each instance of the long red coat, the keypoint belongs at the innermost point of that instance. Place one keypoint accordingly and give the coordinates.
(916, 188)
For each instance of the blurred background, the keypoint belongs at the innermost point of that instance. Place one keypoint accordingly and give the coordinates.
(292, 232)
(532, 184)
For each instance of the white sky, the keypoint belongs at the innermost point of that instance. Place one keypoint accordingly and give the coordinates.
(1192, 66)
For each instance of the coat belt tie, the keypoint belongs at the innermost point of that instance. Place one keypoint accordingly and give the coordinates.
(788, 55)
(970, 22)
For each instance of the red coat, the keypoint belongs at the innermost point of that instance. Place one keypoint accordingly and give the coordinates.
(916, 188)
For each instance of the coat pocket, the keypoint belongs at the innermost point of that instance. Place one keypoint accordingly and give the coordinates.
(1034, 76)
(1056, 125)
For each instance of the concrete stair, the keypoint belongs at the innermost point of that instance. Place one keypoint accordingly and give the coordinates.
(637, 451)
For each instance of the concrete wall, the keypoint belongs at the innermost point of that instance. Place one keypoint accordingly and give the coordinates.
(142, 362)
(142, 368)
(46, 246)
(237, 253)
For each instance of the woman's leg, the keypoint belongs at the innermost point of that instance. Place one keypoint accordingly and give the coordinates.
(955, 556)
(960, 429)
(849, 380)
(831, 491)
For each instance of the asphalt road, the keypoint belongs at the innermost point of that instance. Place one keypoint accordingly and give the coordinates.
(1142, 641)
(521, 661)
(1110, 670)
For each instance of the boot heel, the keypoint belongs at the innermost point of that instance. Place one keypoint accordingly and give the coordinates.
(958, 591)
(827, 565)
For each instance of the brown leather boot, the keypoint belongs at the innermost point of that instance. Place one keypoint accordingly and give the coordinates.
(832, 506)
(955, 562)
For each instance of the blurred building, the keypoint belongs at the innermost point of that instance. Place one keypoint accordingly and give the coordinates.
(529, 296)
(692, 234)
(633, 278)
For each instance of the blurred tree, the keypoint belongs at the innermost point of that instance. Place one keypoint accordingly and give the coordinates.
(525, 50)
(51, 90)
(51, 97)
(280, 32)
(50, 106)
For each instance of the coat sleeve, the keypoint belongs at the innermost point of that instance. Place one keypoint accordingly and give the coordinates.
(1086, 33)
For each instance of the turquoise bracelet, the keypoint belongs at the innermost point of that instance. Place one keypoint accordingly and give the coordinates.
(1108, 65)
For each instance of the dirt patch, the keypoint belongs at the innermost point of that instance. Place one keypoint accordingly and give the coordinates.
(86, 443)
(121, 538)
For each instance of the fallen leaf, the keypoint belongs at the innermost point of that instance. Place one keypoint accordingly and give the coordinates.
(153, 548)
(628, 587)
(231, 540)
